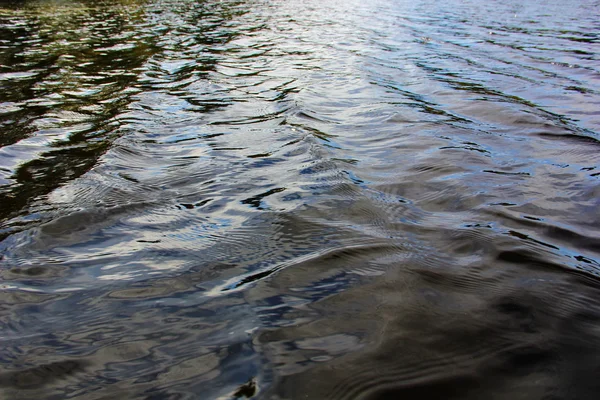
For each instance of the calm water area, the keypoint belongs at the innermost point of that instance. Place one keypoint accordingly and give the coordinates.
(300, 199)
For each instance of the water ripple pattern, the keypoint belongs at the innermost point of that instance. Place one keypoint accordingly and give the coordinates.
(299, 199)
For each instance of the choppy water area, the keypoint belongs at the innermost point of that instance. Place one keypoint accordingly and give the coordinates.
(299, 199)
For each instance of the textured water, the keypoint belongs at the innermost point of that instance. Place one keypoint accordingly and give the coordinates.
(300, 199)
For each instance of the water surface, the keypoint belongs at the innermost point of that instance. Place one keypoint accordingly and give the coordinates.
(299, 199)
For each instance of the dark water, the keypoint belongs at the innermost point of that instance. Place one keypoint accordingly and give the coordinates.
(300, 199)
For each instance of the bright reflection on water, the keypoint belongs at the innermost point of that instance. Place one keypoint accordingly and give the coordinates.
(299, 199)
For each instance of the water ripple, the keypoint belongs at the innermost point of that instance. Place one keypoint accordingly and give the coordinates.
(299, 199)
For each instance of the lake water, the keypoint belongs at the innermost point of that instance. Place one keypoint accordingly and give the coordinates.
(385, 199)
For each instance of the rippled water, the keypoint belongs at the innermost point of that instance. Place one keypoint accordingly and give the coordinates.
(300, 199)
